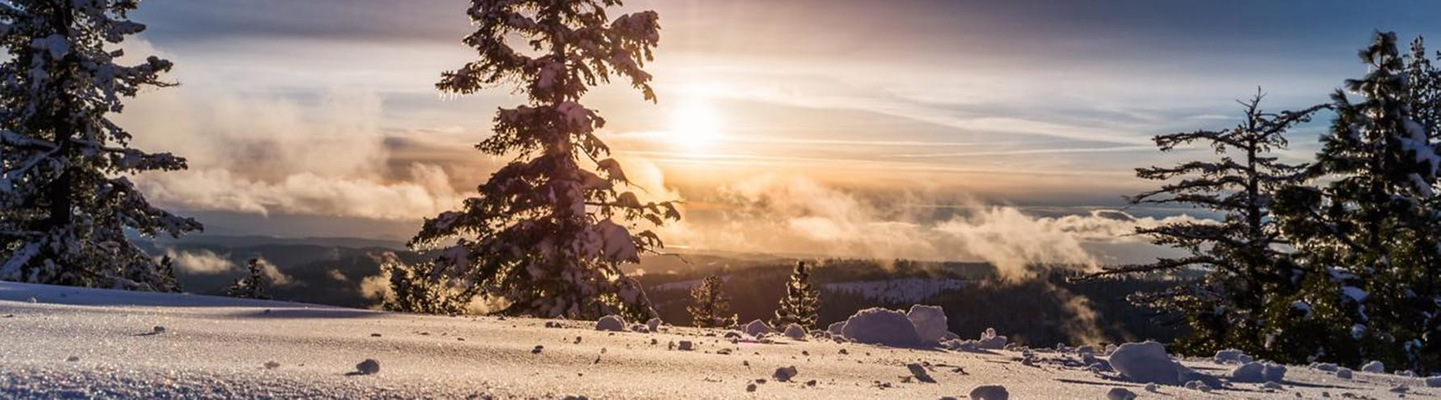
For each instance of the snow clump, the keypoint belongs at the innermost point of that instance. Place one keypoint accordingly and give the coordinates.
(881, 326)
(930, 322)
(611, 323)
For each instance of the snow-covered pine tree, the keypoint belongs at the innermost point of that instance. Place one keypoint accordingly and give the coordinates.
(710, 306)
(253, 285)
(550, 230)
(1243, 270)
(65, 202)
(414, 290)
(801, 304)
(1424, 83)
(1369, 235)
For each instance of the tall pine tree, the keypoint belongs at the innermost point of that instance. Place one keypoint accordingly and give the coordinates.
(549, 231)
(65, 201)
(1369, 235)
(1243, 269)
(802, 303)
(710, 306)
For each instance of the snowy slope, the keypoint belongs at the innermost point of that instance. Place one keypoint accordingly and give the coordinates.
(218, 348)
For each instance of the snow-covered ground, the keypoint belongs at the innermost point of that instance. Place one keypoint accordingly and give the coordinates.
(85, 343)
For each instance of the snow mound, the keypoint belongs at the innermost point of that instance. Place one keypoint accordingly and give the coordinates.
(991, 341)
(1232, 356)
(881, 326)
(1120, 394)
(836, 328)
(990, 392)
(1374, 367)
(1343, 373)
(757, 328)
(1147, 362)
(796, 332)
(653, 324)
(930, 322)
(612, 323)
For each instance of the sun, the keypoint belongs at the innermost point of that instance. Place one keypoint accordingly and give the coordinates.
(695, 126)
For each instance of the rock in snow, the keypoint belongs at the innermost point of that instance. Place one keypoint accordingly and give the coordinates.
(920, 373)
(1374, 367)
(368, 367)
(1120, 394)
(881, 326)
(612, 323)
(757, 328)
(990, 392)
(686, 345)
(930, 322)
(785, 374)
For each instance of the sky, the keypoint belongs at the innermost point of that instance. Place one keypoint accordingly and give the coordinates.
(907, 128)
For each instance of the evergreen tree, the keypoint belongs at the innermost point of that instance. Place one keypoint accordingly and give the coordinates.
(801, 303)
(1424, 81)
(254, 285)
(549, 231)
(1369, 235)
(413, 290)
(710, 306)
(65, 201)
(1244, 271)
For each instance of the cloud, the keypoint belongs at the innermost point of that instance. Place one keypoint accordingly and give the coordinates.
(201, 262)
(799, 216)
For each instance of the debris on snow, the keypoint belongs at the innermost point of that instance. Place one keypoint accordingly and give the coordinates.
(1255, 372)
(612, 323)
(1343, 373)
(368, 367)
(1199, 385)
(881, 326)
(920, 373)
(272, 365)
(785, 374)
(750, 387)
(685, 345)
(990, 392)
(991, 341)
(1151, 387)
(836, 328)
(73, 359)
(654, 324)
(1328, 367)
(930, 322)
(158, 330)
(537, 349)
(1120, 394)
(1434, 381)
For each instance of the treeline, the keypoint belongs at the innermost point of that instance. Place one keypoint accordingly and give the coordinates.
(1338, 259)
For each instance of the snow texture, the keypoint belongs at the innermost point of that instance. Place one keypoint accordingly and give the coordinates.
(220, 348)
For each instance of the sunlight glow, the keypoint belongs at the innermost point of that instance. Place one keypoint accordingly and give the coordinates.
(696, 126)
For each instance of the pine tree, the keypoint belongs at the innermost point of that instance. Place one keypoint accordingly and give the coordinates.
(1369, 235)
(1424, 83)
(801, 303)
(413, 290)
(1243, 269)
(710, 306)
(65, 201)
(549, 231)
(252, 286)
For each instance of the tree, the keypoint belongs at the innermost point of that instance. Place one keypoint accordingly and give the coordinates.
(1424, 84)
(801, 303)
(65, 201)
(710, 306)
(252, 286)
(413, 290)
(1244, 271)
(1369, 234)
(549, 231)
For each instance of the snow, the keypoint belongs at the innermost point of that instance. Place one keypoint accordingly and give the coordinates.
(1231, 356)
(216, 347)
(1147, 362)
(881, 326)
(930, 322)
(795, 332)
